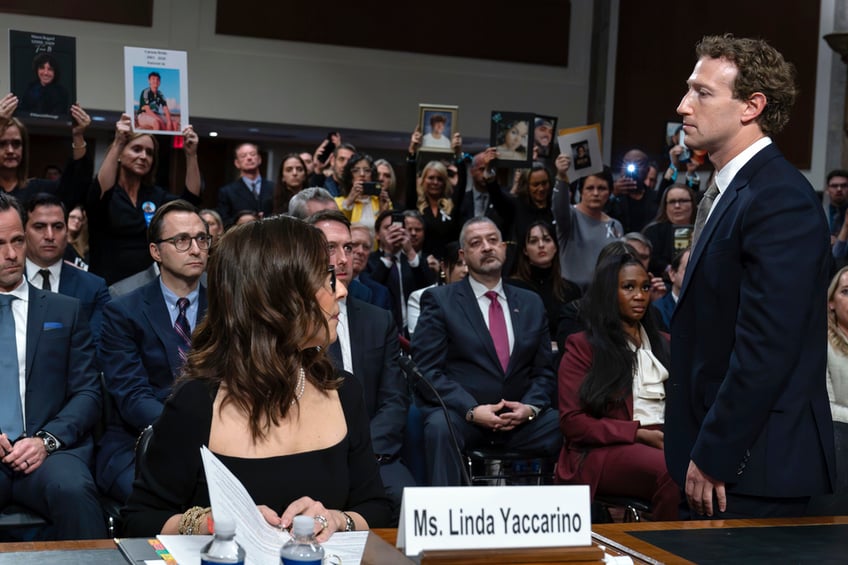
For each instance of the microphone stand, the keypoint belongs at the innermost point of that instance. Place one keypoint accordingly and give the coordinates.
(412, 372)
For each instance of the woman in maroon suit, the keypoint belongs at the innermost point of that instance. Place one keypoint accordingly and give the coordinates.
(612, 392)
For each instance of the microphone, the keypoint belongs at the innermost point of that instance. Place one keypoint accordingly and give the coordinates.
(414, 375)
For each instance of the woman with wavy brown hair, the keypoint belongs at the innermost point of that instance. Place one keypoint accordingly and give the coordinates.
(259, 390)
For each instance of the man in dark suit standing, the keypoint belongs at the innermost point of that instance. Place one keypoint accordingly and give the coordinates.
(146, 337)
(249, 191)
(368, 347)
(46, 239)
(485, 347)
(50, 398)
(397, 265)
(748, 425)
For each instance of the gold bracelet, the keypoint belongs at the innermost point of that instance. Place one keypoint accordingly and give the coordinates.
(83, 146)
(192, 519)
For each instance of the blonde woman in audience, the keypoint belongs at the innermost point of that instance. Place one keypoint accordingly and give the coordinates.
(837, 392)
(431, 193)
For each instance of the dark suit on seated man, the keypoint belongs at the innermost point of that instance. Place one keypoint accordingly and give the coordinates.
(489, 358)
(142, 349)
(748, 430)
(47, 237)
(50, 397)
(368, 347)
(250, 191)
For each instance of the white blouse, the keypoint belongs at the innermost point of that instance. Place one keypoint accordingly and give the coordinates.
(648, 388)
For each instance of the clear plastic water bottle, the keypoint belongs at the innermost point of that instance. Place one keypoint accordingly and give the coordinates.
(223, 548)
(302, 549)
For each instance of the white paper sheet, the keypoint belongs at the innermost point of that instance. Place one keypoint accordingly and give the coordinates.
(260, 540)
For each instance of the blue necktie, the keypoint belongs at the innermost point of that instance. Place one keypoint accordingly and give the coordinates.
(11, 415)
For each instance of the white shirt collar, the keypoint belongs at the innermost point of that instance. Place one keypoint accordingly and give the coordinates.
(55, 274)
(725, 176)
(21, 292)
(480, 289)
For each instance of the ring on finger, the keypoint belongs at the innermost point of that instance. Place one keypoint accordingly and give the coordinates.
(323, 521)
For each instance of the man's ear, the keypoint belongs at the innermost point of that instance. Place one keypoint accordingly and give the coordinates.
(754, 106)
(154, 252)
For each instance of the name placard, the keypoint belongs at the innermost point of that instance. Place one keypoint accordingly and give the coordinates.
(496, 517)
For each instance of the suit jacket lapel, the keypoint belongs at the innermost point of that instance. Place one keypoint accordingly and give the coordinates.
(157, 316)
(724, 203)
(36, 315)
(515, 311)
(68, 282)
(728, 197)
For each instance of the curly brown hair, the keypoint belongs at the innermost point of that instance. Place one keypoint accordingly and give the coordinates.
(761, 68)
(263, 278)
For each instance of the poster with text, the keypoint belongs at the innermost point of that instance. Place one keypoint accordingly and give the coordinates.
(43, 69)
(156, 89)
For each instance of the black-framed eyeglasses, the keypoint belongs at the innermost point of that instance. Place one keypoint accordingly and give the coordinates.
(332, 270)
(182, 242)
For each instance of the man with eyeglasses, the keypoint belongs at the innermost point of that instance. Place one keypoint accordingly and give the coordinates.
(146, 337)
(368, 347)
(46, 238)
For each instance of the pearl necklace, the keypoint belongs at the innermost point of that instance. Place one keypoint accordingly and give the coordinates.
(301, 386)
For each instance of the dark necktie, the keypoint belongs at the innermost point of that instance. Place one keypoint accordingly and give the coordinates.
(704, 208)
(45, 275)
(395, 291)
(182, 328)
(11, 415)
(497, 327)
(257, 188)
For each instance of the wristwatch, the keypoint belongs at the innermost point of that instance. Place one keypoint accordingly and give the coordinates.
(469, 416)
(51, 444)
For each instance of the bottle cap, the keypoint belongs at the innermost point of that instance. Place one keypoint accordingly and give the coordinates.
(303, 525)
(225, 526)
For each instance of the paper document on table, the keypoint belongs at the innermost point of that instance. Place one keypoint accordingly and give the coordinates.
(261, 541)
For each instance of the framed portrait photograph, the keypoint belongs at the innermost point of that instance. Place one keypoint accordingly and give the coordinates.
(43, 69)
(511, 133)
(437, 123)
(156, 90)
(544, 133)
(583, 144)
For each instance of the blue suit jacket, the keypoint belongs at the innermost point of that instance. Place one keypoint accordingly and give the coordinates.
(454, 350)
(236, 196)
(747, 400)
(140, 359)
(375, 349)
(378, 296)
(62, 391)
(139, 353)
(90, 290)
